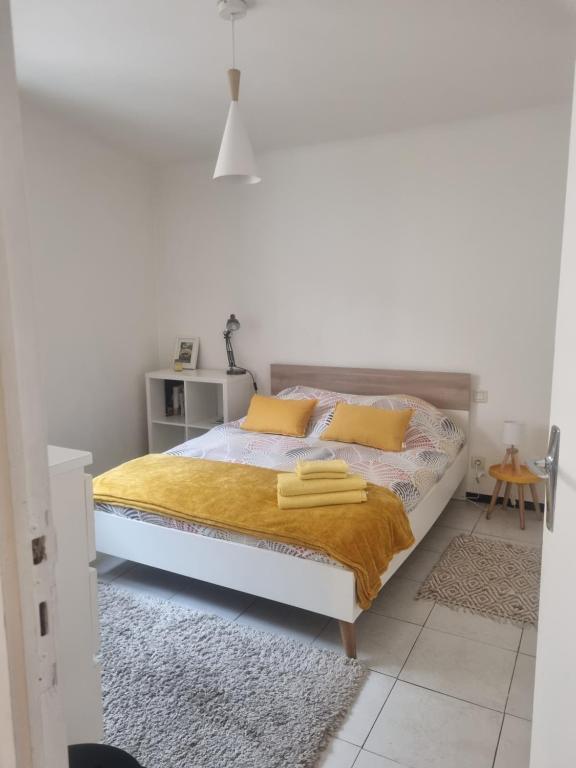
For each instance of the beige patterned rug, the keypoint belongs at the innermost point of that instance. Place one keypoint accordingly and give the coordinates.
(487, 576)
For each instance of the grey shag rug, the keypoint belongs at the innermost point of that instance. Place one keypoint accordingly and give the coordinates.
(187, 690)
(494, 578)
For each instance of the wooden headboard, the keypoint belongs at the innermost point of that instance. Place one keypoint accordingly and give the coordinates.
(448, 391)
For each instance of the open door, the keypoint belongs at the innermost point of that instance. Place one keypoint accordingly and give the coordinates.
(554, 719)
(31, 722)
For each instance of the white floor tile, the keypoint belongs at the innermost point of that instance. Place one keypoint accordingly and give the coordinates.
(419, 564)
(529, 638)
(366, 708)
(514, 744)
(370, 760)
(383, 643)
(460, 514)
(150, 581)
(338, 754)
(522, 688)
(210, 598)
(475, 627)
(506, 525)
(424, 729)
(109, 568)
(438, 538)
(278, 618)
(397, 599)
(459, 667)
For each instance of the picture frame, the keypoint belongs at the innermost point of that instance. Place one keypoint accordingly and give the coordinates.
(186, 351)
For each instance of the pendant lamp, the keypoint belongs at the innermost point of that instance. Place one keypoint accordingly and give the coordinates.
(236, 158)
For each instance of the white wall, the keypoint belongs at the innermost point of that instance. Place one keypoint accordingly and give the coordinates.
(90, 210)
(435, 249)
(418, 250)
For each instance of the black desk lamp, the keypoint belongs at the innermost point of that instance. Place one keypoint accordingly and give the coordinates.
(232, 325)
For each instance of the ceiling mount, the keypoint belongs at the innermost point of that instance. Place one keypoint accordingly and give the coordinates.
(232, 10)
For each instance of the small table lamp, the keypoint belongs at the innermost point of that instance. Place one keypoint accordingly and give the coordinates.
(511, 434)
(232, 324)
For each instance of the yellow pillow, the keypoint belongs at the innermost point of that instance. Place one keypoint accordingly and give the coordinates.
(278, 417)
(365, 425)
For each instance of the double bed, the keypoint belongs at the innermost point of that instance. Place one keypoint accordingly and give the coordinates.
(425, 476)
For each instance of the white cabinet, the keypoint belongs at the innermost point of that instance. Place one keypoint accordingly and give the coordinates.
(77, 641)
(207, 398)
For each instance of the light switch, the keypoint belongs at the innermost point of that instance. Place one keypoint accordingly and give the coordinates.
(480, 396)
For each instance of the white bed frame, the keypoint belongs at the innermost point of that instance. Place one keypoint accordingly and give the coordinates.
(326, 589)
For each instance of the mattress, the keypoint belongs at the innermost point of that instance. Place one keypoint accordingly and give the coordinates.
(433, 441)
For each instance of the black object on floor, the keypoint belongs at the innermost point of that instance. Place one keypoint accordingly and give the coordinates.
(99, 756)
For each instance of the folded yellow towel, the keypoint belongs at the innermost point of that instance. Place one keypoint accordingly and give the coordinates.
(289, 484)
(321, 499)
(332, 468)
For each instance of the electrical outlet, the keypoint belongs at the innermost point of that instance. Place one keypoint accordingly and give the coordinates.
(480, 396)
(478, 463)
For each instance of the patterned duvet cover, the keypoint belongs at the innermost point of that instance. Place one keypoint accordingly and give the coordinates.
(433, 441)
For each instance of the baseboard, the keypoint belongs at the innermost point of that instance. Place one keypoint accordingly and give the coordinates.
(484, 498)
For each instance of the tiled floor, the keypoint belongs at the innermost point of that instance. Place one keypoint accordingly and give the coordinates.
(444, 690)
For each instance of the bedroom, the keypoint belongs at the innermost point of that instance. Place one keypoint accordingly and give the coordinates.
(410, 218)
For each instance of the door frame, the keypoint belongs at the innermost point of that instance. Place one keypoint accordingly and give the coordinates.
(32, 728)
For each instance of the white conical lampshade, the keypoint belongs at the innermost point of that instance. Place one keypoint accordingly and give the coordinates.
(236, 159)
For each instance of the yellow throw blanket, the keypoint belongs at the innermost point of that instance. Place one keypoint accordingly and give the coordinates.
(363, 537)
(322, 468)
(289, 484)
(322, 499)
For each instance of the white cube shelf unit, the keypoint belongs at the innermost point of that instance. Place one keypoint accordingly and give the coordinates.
(210, 398)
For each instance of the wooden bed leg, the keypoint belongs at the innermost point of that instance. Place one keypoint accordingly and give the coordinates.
(348, 635)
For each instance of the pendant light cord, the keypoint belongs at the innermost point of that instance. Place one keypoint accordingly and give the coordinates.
(233, 44)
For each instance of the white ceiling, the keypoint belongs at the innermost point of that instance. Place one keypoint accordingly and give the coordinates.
(151, 74)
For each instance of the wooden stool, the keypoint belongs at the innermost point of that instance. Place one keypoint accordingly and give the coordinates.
(513, 474)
